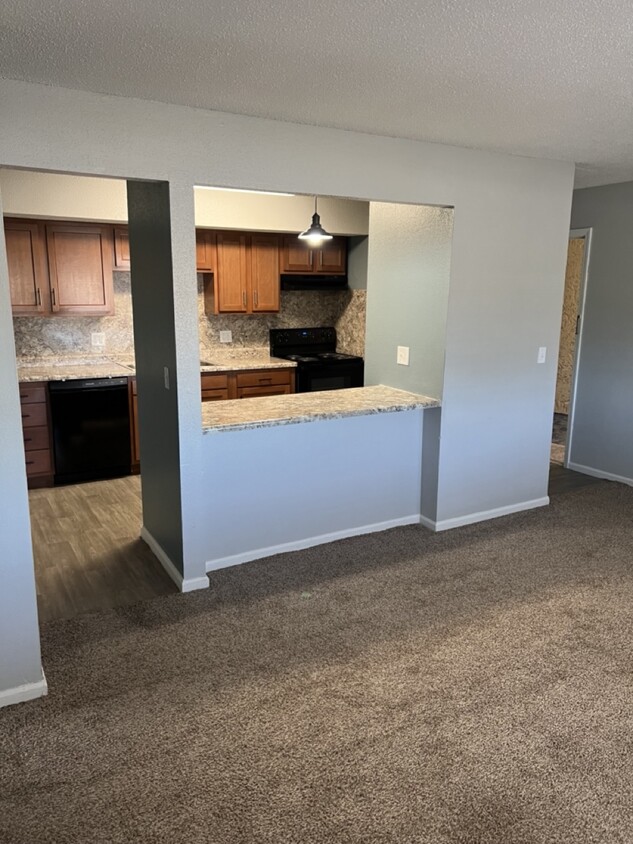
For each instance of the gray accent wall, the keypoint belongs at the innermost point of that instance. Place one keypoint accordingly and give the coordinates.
(155, 342)
(20, 662)
(407, 295)
(603, 416)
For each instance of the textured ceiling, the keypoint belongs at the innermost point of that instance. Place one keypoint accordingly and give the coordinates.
(534, 77)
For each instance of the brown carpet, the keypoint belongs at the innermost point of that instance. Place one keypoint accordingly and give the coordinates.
(472, 686)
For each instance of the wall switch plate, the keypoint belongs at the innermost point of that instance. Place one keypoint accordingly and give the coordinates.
(402, 355)
(97, 340)
(166, 376)
(542, 354)
(226, 336)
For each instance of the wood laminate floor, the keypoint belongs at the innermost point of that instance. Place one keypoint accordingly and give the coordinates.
(88, 554)
(564, 480)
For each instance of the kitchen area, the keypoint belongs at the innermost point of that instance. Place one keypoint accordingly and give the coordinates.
(277, 316)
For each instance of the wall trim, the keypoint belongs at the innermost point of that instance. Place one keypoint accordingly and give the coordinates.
(309, 542)
(185, 585)
(598, 473)
(29, 691)
(484, 515)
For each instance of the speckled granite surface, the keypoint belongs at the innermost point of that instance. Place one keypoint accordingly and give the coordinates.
(68, 367)
(219, 360)
(261, 412)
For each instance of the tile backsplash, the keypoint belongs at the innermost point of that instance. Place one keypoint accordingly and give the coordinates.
(344, 309)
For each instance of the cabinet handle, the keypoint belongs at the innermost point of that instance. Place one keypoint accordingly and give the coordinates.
(39, 298)
(53, 296)
(255, 298)
(265, 380)
(244, 297)
(25, 415)
(320, 257)
(24, 395)
(28, 439)
(30, 462)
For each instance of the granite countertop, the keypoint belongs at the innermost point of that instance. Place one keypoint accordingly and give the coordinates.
(73, 366)
(70, 368)
(242, 359)
(265, 411)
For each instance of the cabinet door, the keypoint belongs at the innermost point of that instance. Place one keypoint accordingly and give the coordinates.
(80, 268)
(264, 254)
(28, 272)
(331, 258)
(205, 251)
(230, 283)
(121, 248)
(296, 256)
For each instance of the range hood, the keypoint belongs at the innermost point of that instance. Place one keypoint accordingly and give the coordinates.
(314, 282)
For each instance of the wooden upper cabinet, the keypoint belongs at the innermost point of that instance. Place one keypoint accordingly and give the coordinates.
(331, 258)
(297, 258)
(80, 268)
(264, 276)
(231, 278)
(28, 271)
(205, 251)
(121, 248)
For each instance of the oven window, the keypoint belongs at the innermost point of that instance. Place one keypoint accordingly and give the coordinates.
(330, 382)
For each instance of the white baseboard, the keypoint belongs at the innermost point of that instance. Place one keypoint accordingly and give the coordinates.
(308, 542)
(598, 473)
(188, 585)
(29, 691)
(484, 515)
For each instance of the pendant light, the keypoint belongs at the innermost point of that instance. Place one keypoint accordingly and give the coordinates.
(316, 234)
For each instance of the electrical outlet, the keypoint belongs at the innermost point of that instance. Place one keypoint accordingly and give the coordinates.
(166, 376)
(542, 354)
(226, 336)
(97, 339)
(402, 355)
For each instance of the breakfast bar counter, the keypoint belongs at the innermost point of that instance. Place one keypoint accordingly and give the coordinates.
(269, 411)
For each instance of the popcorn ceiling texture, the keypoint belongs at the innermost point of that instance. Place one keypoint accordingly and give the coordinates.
(568, 325)
(345, 309)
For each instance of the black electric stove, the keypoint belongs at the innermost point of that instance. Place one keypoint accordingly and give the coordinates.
(319, 365)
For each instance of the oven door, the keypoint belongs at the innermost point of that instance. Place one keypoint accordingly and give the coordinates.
(329, 376)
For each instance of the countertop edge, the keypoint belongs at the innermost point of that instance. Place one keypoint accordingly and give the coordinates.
(419, 403)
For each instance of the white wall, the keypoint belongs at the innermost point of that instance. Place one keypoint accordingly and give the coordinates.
(20, 668)
(407, 284)
(309, 483)
(63, 197)
(510, 235)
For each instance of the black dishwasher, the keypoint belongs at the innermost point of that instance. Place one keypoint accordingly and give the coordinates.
(91, 429)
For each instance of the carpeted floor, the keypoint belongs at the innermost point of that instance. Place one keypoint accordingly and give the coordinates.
(473, 686)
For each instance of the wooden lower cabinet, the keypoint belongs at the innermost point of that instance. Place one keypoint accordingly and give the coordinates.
(36, 431)
(264, 382)
(220, 386)
(214, 387)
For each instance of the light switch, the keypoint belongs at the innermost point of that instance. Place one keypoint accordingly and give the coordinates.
(542, 354)
(226, 336)
(166, 376)
(402, 356)
(97, 339)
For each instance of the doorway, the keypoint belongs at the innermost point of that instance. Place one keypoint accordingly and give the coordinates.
(569, 346)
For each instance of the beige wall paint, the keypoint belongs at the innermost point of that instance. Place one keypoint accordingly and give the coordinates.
(57, 196)
(573, 275)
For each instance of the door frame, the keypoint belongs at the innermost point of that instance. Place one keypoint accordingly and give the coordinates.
(582, 298)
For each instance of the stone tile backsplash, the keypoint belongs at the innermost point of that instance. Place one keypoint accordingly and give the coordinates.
(344, 309)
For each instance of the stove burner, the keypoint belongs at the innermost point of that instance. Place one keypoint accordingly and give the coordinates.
(302, 358)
